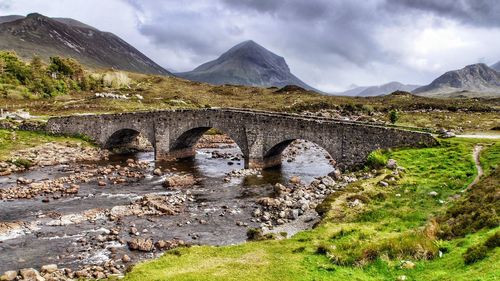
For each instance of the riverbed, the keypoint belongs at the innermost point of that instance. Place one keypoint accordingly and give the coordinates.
(217, 210)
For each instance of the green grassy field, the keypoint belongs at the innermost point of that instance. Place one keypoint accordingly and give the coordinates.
(395, 223)
(16, 140)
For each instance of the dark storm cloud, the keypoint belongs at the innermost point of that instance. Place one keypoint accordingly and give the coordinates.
(475, 12)
(341, 29)
(323, 40)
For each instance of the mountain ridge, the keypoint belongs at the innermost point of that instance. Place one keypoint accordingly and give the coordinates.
(39, 35)
(474, 78)
(496, 66)
(380, 90)
(246, 63)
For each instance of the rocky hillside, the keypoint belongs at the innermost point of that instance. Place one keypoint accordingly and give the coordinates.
(46, 37)
(382, 90)
(472, 80)
(496, 66)
(247, 63)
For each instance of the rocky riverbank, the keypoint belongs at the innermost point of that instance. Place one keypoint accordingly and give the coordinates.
(101, 216)
(50, 154)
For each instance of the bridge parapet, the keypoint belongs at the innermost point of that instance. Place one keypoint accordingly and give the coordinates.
(261, 135)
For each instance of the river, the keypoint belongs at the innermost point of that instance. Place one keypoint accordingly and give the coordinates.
(213, 214)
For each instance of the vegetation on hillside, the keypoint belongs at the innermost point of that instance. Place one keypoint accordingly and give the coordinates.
(398, 233)
(62, 86)
(61, 76)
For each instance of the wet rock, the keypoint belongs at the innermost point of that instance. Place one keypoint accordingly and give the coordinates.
(244, 173)
(101, 183)
(9, 276)
(335, 174)
(49, 268)
(295, 180)
(157, 172)
(141, 244)
(177, 181)
(126, 258)
(30, 274)
(268, 202)
(327, 181)
(168, 244)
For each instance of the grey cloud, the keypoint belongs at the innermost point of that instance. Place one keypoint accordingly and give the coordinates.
(475, 12)
(317, 35)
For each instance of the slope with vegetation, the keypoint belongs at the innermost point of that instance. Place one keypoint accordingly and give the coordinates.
(49, 37)
(62, 87)
(406, 231)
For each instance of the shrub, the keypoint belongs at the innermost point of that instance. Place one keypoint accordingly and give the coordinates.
(393, 116)
(493, 241)
(376, 159)
(479, 209)
(21, 162)
(256, 234)
(474, 254)
(116, 80)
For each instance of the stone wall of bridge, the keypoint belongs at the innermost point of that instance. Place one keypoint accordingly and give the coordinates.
(261, 136)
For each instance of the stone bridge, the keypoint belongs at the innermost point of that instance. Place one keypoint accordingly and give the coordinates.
(260, 135)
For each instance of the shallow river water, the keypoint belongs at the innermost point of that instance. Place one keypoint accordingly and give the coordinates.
(217, 203)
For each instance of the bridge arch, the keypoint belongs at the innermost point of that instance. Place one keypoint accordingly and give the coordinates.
(126, 137)
(273, 156)
(184, 144)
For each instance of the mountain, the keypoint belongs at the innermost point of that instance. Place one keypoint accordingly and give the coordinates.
(247, 63)
(496, 66)
(10, 18)
(472, 80)
(381, 90)
(46, 37)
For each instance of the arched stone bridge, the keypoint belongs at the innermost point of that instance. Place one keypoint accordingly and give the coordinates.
(261, 135)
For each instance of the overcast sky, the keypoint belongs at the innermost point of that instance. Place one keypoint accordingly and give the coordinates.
(329, 44)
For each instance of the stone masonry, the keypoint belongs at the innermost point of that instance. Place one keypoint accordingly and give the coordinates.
(261, 135)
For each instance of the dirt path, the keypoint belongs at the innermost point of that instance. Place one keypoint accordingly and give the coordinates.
(475, 154)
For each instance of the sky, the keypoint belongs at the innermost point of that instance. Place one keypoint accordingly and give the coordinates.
(329, 44)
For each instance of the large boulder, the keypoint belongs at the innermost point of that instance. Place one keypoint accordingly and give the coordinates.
(141, 244)
(178, 181)
(9, 276)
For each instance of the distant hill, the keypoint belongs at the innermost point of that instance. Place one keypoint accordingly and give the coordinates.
(496, 66)
(381, 90)
(247, 63)
(36, 34)
(476, 80)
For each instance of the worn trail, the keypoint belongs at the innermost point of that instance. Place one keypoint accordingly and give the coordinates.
(475, 154)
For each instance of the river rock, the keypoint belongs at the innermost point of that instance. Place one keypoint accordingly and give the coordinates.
(49, 268)
(30, 274)
(157, 172)
(9, 276)
(126, 258)
(268, 202)
(179, 181)
(295, 180)
(141, 244)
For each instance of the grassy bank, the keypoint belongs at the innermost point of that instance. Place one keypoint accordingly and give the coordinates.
(16, 140)
(368, 242)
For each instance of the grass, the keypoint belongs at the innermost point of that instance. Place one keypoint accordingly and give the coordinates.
(366, 243)
(16, 140)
